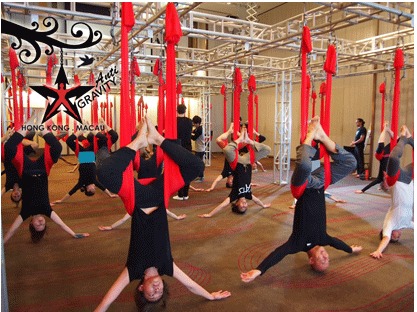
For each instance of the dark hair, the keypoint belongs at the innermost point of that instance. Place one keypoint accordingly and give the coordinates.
(236, 209)
(197, 119)
(89, 193)
(144, 305)
(181, 109)
(390, 240)
(36, 236)
(361, 121)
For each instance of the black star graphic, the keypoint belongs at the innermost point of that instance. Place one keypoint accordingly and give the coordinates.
(62, 96)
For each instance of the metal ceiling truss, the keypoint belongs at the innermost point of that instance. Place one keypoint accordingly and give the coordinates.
(239, 42)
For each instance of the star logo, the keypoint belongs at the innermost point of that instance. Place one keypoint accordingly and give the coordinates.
(61, 96)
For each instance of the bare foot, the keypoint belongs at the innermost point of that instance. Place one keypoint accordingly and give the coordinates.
(141, 140)
(405, 132)
(320, 135)
(154, 137)
(312, 126)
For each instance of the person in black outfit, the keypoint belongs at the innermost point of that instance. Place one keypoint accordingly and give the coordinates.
(382, 154)
(309, 228)
(242, 172)
(359, 145)
(34, 177)
(87, 180)
(184, 129)
(149, 254)
(12, 177)
(198, 137)
(226, 173)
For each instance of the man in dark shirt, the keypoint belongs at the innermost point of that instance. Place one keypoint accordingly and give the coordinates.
(309, 228)
(359, 144)
(184, 129)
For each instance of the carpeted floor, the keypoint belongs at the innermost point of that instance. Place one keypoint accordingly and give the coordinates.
(65, 274)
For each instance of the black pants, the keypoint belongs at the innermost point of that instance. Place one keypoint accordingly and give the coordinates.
(360, 159)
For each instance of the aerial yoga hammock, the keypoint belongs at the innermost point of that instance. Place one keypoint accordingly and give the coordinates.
(398, 64)
(14, 63)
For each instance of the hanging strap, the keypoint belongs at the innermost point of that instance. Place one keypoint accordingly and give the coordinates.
(313, 104)
(223, 92)
(14, 63)
(257, 115)
(382, 91)
(330, 69)
(398, 64)
(305, 49)
(173, 180)
(21, 82)
(237, 82)
(179, 92)
(252, 89)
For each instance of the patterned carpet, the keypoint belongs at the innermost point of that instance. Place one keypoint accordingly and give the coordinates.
(65, 274)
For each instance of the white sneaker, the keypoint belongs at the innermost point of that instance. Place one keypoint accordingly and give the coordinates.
(180, 198)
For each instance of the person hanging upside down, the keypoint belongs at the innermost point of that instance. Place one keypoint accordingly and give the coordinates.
(401, 213)
(225, 174)
(382, 153)
(12, 177)
(87, 180)
(242, 174)
(309, 227)
(149, 254)
(34, 176)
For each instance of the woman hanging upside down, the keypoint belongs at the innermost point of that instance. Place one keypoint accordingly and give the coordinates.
(149, 254)
(34, 177)
(242, 174)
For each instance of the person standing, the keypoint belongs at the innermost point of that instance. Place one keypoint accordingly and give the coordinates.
(359, 145)
(184, 129)
(198, 137)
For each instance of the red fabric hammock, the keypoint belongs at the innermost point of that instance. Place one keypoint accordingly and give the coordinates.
(223, 92)
(398, 64)
(305, 49)
(157, 71)
(382, 91)
(173, 180)
(14, 63)
(179, 92)
(128, 20)
(313, 104)
(28, 104)
(21, 82)
(237, 82)
(134, 71)
(257, 114)
(330, 69)
(252, 89)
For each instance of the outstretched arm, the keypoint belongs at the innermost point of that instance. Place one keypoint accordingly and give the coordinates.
(174, 216)
(114, 291)
(60, 201)
(110, 194)
(257, 201)
(377, 254)
(196, 288)
(66, 228)
(115, 224)
(17, 222)
(217, 209)
(213, 185)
